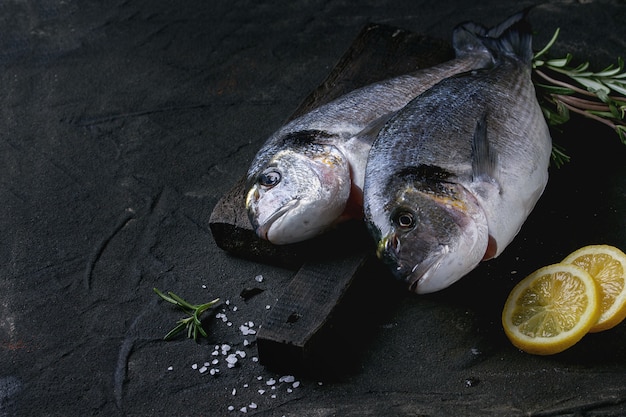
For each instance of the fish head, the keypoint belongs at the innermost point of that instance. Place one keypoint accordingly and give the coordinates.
(430, 236)
(298, 194)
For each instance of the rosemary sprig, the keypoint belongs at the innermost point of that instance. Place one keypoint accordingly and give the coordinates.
(192, 323)
(562, 89)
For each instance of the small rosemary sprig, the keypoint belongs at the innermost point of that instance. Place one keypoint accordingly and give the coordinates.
(563, 89)
(192, 323)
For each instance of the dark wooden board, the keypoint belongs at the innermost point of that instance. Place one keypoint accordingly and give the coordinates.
(295, 330)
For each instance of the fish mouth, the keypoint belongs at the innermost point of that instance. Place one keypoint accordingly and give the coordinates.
(417, 275)
(263, 229)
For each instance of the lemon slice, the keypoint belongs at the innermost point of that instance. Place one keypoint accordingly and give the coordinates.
(551, 309)
(607, 265)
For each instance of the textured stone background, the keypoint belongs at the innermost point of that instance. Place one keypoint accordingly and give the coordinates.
(121, 125)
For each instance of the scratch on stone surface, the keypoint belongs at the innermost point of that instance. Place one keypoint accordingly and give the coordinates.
(580, 409)
(91, 121)
(126, 349)
(102, 244)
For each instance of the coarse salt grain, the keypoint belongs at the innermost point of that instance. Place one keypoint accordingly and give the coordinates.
(215, 362)
(255, 359)
(258, 378)
(231, 408)
(270, 381)
(231, 360)
(203, 369)
(204, 286)
(261, 391)
(245, 342)
(252, 405)
(194, 366)
(234, 391)
(235, 308)
(240, 353)
(296, 384)
(267, 307)
(214, 371)
(259, 278)
(170, 368)
(287, 378)
(289, 390)
(243, 409)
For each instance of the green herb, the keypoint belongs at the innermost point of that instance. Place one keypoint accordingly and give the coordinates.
(563, 89)
(192, 323)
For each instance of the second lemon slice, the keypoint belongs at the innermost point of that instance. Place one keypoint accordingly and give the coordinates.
(607, 265)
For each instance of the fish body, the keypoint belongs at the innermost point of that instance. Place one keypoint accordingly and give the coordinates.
(309, 174)
(452, 177)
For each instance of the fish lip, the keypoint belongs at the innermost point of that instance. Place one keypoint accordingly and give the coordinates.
(420, 273)
(263, 230)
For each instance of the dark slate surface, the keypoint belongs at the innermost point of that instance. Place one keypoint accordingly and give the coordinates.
(122, 125)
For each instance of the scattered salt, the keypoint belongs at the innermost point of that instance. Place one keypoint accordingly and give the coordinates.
(194, 366)
(243, 409)
(246, 330)
(170, 368)
(214, 371)
(203, 369)
(227, 302)
(289, 390)
(252, 405)
(259, 278)
(229, 324)
(245, 342)
(250, 324)
(240, 353)
(287, 378)
(267, 307)
(215, 362)
(231, 360)
(225, 348)
(231, 408)
(270, 381)
(255, 359)
(215, 352)
(273, 395)
(258, 378)
(296, 384)
(235, 308)
(204, 286)
(245, 385)
(234, 391)
(261, 391)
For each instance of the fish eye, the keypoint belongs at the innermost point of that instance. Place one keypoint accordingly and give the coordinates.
(269, 179)
(404, 219)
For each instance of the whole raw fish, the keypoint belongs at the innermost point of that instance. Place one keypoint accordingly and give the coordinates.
(452, 177)
(309, 174)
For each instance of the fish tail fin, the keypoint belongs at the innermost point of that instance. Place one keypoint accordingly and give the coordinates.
(466, 39)
(512, 36)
